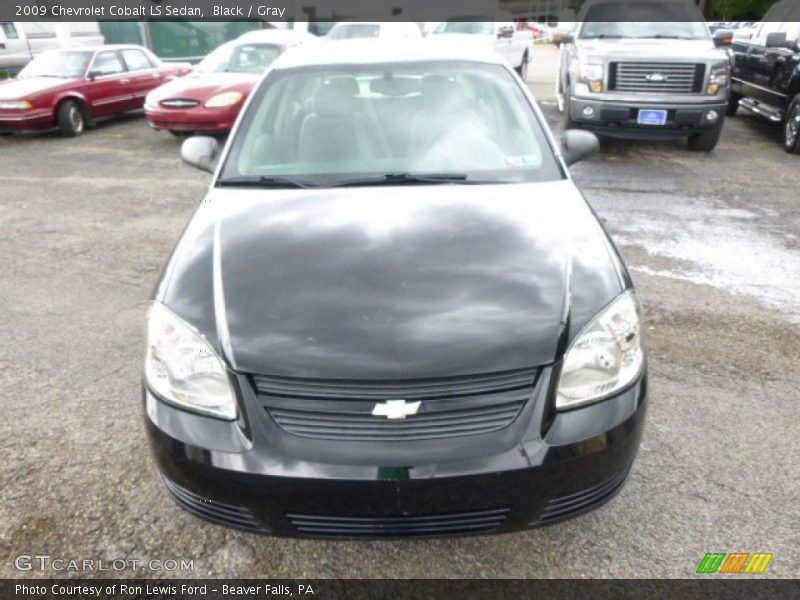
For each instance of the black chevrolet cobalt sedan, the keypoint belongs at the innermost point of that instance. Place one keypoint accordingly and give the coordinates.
(393, 314)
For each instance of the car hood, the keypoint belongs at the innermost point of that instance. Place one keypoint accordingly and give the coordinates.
(26, 87)
(392, 283)
(650, 50)
(202, 86)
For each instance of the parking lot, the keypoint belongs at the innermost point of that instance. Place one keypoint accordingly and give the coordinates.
(713, 242)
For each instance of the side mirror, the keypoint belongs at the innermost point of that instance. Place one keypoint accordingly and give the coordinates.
(723, 37)
(567, 38)
(505, 33)
(776, 39)
(201, 152)
(577, 144)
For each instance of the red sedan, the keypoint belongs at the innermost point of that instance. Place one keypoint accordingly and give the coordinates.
(71, 88)
(209, 100)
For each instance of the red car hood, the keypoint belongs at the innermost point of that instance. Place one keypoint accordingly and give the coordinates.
(202, 86)
(20, 89)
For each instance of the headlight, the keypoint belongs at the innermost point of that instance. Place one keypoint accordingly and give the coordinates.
(183, 369)
(15, 104)
(590, 74)
(226, 99)
(719, 76)
(605, 357)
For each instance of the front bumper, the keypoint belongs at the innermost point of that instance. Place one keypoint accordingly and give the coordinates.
(193, 120)
(26, 120)
(619, 118)
(244, 474)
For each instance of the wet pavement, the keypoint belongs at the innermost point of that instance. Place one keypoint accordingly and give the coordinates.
(711, 241)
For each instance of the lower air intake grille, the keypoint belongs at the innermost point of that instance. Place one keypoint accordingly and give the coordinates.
(463, 523)
(438, 408)
(211, 510)
(572, 505)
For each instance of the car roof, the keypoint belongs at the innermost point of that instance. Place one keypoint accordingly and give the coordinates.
(99, 47)
(376, 51)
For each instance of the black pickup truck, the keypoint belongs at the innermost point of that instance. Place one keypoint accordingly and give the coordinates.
(766, 71)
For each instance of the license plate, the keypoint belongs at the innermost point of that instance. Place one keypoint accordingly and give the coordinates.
(652, 117)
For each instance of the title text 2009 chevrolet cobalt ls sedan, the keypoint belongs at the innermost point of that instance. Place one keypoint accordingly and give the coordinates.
(394, 314)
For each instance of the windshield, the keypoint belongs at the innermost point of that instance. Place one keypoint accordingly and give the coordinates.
(349, 31)
(632, 20)
(471, 27)
(241, 58)
(67, 64)
(458, 121)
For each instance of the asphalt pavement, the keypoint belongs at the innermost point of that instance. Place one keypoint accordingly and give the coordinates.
(712, 242)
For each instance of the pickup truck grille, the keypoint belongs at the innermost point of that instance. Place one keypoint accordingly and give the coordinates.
(656, 78)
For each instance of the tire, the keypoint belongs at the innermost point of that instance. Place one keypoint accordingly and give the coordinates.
(70, 119)
(566, 120)
(522, 69)
(733, 104)
(705, 141)
(791, 127)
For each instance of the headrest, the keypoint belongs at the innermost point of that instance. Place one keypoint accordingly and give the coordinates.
(441, 94)
(337, 96)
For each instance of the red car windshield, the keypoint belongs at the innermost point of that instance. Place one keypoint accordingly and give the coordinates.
(67, 64)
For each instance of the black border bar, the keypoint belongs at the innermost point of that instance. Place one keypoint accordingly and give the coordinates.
(710, 587)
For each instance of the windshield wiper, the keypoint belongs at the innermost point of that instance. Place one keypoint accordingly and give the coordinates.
(404, 178)
(265, 182)
(602, 36)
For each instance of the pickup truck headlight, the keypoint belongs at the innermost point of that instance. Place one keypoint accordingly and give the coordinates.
(719, 77)
(226, 99)
(606, 356)
(183, 369)
(591, 75)
(15, 104)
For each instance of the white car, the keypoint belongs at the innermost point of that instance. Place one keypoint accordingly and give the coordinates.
(348, 30)
(515, 46)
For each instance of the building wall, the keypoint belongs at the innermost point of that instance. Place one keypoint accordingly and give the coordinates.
(176, 40)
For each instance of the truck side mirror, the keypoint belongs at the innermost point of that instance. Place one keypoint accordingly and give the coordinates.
(505, 33)
(723, 37)
(775, 39)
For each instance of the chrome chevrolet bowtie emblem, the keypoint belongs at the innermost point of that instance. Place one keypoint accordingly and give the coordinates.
(395, 409)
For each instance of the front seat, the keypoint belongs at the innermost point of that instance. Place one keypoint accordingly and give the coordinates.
(337, 130)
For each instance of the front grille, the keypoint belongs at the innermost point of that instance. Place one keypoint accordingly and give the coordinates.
(449, 407)
(572, 505)
(179, 103)
(656, 78)
(462, 523)
(211, 510)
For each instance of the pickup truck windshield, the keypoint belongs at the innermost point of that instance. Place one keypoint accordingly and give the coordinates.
(67, 64)
(394, 123)
(244, 58)
(633, 20)
(469, 27)
(349, 31)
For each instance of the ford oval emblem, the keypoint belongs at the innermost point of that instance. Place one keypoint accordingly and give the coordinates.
(656, 77)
